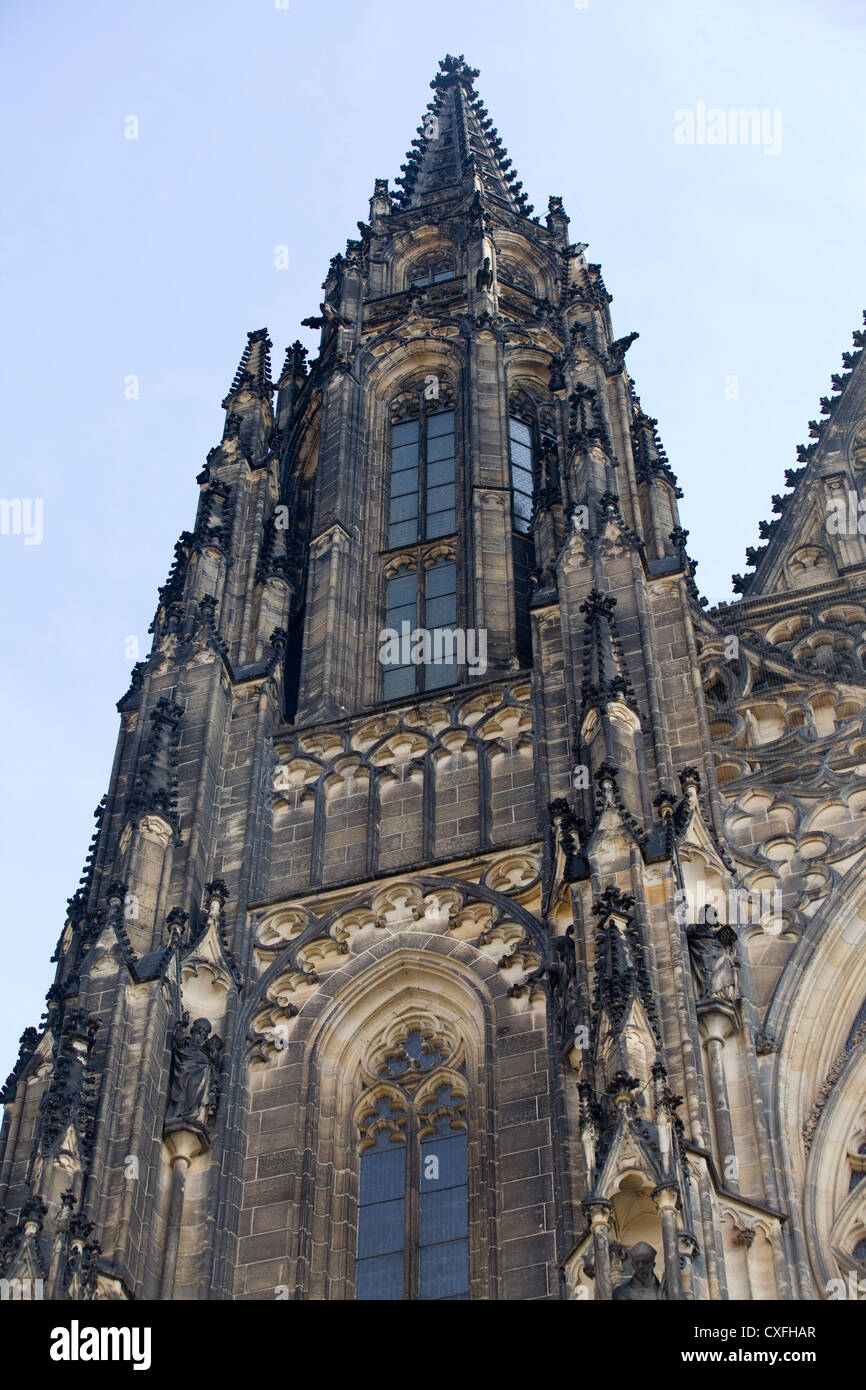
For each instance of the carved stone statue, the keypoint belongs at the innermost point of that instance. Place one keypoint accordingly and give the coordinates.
(484, 278)
(643, 1286)
(194, 1084)
(714, 963)
(753, 729)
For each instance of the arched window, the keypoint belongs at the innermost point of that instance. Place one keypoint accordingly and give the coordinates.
(529, 438)
(413, 1202)
(421, 587)
(521, 452)
(526, 439)
(433, 270)
(513, 273)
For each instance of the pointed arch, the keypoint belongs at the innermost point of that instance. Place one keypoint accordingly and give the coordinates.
(819, 1076)
(361, 1109)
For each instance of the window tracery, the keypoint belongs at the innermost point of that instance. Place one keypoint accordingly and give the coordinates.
(513, 273)
(530, 436)
(434, 269)
(413, 1207)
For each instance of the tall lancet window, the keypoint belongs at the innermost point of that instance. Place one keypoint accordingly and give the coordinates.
(521, 453)
(413, 1202)
(423, 462)
(421, 585)
(525, 439)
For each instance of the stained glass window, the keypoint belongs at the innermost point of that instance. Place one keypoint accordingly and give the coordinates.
(413, 1203)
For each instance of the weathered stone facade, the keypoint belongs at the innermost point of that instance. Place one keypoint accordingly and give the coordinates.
(600, 909)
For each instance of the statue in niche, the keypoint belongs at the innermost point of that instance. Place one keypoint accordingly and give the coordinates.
(484, 277)
(753, 729)
(714, 963)
(194, 1083)
(643, 1286)
(566, 994)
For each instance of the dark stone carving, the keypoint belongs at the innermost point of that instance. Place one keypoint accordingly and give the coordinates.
(855, 1040)
(557, 376)
(16, 1235)
(477, 216)
(678, 538)
(621, 966)
(619, 348)
(194, 1086)
(605, 678)
(567, 830)
(484, 276)
(651, 463)
(564, 990)
(26, 1047)
(278, 641)
(154, 790)
(70, 1096)
(586, 425)
(80, 1253)
(714, 962)
(643, 1286)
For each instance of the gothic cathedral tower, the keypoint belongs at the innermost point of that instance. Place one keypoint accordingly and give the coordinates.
(471, 914)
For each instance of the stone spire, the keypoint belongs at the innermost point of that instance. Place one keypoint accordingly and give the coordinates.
(457, 150)
(605, 677)
(823, 509)
(249, 417)
(254, 369)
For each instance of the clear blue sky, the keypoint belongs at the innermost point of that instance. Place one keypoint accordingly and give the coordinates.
(261, 127)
